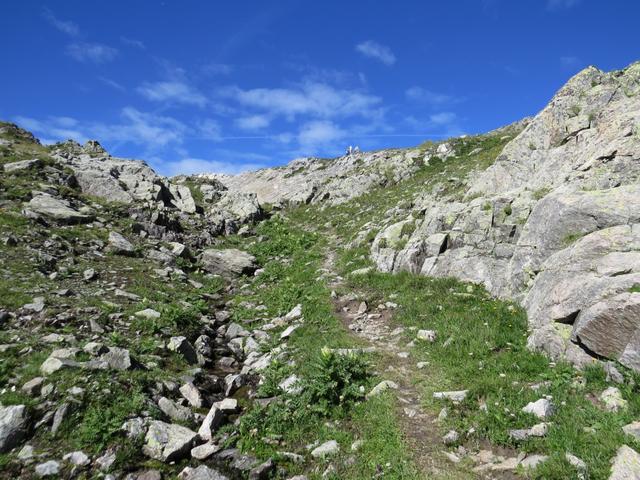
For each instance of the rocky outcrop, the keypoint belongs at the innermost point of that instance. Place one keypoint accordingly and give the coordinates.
(314, 180)
(553, 223)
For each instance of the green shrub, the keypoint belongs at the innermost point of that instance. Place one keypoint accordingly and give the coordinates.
(541, 193)
(335, 381)
(407, 229)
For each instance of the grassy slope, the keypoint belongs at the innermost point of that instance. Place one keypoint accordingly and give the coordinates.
(293, 259)
(487, 351)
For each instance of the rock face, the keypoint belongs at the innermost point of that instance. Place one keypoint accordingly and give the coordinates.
(314, 180)
(229, 262)
(554, 223)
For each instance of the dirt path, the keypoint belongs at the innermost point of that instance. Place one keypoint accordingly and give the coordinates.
(423, 435)
(374, 324)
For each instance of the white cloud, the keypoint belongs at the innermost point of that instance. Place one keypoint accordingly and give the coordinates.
(132, 42)
(420, 94)
(64, 26)
(312, 98)
(112, 83)
(376, 51)
(253, 122)
(91, 52)
(172, 91)
(443, 118)
(141, 128)
(54, 128)
(189, 166)
(319, 133)
(210, 130)
(561, 4)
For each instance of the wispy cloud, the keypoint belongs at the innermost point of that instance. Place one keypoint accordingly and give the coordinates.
(209, 129)
(53, 129)
(132, 42)
(65, 26)
(319, 133)
(253, 122)
(172, 92)
(376, 51)
(310, 98)
(136, 127)
(91, 52)
(443, 118)
(561, 4)
(217, 69)
(112, 83)
(420, 94)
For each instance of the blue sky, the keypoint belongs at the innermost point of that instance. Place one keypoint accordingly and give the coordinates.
(225, 86)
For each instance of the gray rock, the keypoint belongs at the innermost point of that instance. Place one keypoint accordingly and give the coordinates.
(381, 387)
(542, 408)
(211, 423)
(59, 416)
(174, 411)
(89, 274)
(33, 386)
(204, 451)
(327, 449)
(135, 427)
(77, 458)
(148, 313)
(182, 346)
(531, 462)
(228, 263)
(48, 469)
(120, 245)
(263, 471)
(202, 472)
(26, 454)
(192, 394)
(613, 400)
(37, 305)
(118, 358)
(626, 464)
(451, 438)
(228, 405)
(49, 207)
(632, 429)
(538, 430)
(426, 335)
(168, 442)
(14, 423)
(22, 165)
(454, 396)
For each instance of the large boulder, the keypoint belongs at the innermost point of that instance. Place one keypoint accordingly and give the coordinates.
(13, 426)
(168, 442)
(229, 262)
(46, 206)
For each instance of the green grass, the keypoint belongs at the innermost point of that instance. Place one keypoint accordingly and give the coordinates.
(331, 406)
(481, 347)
